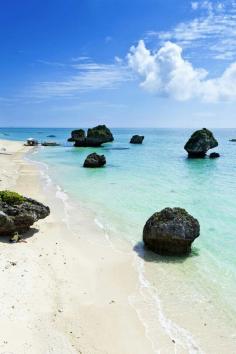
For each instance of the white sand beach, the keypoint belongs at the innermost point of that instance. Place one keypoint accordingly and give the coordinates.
(66, 289)
(61, 292)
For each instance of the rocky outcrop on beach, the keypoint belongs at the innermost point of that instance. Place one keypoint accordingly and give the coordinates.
(18, 213)
(200, 142)
(171, 232)
(137, 139)
(94, 160)
(214, 155)
(95, 136)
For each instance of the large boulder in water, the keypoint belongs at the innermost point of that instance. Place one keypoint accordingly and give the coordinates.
(137, 139)
(95, 136)
(200, 142)
(171, 232)
(18, 213)
(95, 160)
(99, 135)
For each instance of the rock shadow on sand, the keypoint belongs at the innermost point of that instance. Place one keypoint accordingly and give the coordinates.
(30, 233)
(149, 256)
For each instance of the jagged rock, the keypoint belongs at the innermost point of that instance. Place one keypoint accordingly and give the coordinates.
(18, 213)
(214, 155)
(200, 142)
(95, 136)
(78, 137)
(171, 232)
(137, 139)
(95, 160)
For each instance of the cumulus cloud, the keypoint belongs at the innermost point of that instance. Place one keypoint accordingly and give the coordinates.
(166, 73)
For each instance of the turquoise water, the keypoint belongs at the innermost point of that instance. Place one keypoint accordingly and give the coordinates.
(141, 179)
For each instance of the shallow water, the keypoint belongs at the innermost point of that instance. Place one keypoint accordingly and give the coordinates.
(141, 179)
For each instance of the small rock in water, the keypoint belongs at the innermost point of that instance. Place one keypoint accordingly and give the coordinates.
(214, 155)
(137, 139)
(171, 232)
(95, 160)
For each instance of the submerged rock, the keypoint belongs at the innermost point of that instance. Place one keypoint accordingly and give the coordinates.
(200, 142)
(95, 136)
(171, 232)
(18, 213)
(95, 160)
(137, 139)
(214, 155)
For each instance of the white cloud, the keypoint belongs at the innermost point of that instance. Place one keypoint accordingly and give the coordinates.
(194, 5)
(87, 76)
(212, 32)
(166, 73)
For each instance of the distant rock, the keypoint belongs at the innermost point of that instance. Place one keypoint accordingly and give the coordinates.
(95, 137)
(137, 139)
(214, 155)
(18, 213)
(51, 136)
(50, 143)
(95, 160)
(233, 140)
(171, 232)
(200, 142)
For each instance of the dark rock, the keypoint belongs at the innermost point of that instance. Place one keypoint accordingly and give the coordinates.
(95, 160)
(17, 215)
(233, 140)
(78, 137)
(214, 155)
(137, 139)
(95, 137)
(50, 143)
(171, 232)
(51, 136)
(200, 142)
(99, 135)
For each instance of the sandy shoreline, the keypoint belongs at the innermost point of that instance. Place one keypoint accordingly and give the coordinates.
(66, 293)
(73, 291)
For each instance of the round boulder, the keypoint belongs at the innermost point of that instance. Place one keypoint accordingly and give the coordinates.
(94, 160)
(171, 232)
(200, 142)
(137, 139)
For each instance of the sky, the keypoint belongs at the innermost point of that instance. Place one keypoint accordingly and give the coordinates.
(124, 63)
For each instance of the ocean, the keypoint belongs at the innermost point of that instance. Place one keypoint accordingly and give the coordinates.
(139, 180)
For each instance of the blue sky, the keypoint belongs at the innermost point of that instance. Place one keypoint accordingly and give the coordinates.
(134, 63)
